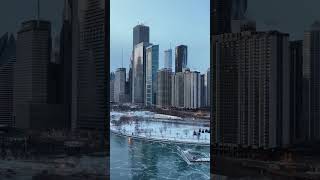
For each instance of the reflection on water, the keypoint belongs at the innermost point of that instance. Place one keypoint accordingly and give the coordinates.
(139, 160)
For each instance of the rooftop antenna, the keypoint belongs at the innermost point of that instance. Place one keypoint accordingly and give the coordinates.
(122, 58)
(38, 12)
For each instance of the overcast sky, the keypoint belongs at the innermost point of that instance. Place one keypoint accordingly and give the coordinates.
(13, 12)
(290, 16)
(170, 21)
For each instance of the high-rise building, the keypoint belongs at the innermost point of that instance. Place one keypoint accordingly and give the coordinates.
(7, 61)
(168, 59)
(164, 88)
(152, 66)
(66, 60)
(202, 91)
(31, 93)
(89, 86)
(181, 58)
(252, 91)
(177, 93)
(140, 34)
(119, 85)
(221, 16)
(130, 81)
(238, 9)
(112, 82)
(138, 73)
(208, 86)
(195, 90)
(297, 125)
(311, 75)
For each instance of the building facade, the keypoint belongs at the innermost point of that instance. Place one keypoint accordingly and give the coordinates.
(164, 88)
(181, 58)
(119, 85)
(168, 59)
(138, 73)
(7, 61)
(177, 99)
(311, 76)
(152, 66)
(252, 89)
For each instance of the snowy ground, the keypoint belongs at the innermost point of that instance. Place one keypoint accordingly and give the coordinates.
(148, 127)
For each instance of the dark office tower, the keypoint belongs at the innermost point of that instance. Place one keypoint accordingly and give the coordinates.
(297, 127)
(89, 89)
(181, 58)
(112, 82)
(7, 60)
(30, 93)
(239, 8)
(66, 60)
(140, 34)
(311, 74)
(221, 16)
(54, 86)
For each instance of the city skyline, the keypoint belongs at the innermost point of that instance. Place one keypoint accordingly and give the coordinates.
(195, 31)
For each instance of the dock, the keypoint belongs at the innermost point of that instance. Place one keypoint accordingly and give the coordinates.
(190, 156)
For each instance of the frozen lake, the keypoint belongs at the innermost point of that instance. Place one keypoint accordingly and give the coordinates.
(136, 158)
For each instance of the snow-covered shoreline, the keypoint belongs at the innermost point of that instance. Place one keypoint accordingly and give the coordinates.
(159, 140)
(166, 130)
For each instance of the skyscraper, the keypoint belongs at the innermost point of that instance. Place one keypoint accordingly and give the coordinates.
(88, 66)
(140, 34)
(252, 91)
(119, 85)
(311, 75)
(31, 95)
(138, 73)
(297, 109)
(66, 60)
(112, 82)
(168, 59)
(152, 66)
(181, 56)
(238, 10)
(7, 61)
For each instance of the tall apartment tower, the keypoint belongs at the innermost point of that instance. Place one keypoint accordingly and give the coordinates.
(252, 91)
(112, 83)
(311, 75)
(7, 61)
(181, 56)
(119, 85)
(168, 59)
(152, 66)
(164, 88)
(88, 66)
